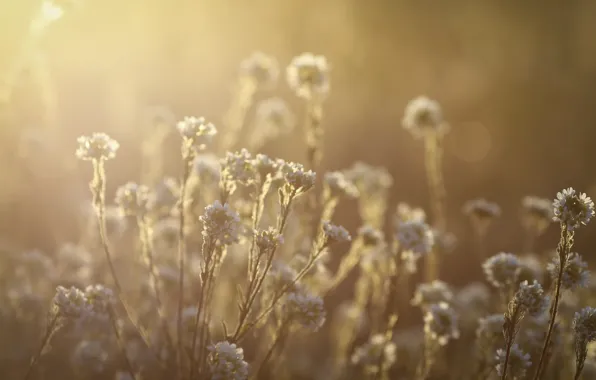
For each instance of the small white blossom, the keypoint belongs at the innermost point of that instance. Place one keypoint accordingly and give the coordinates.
(337, 185)
(132, 199)
(98, 146)
(268, 240)
(220, 223)
(575, 271)
(530, 298)
(273, 117)
(335, 234)
(415, 236)
(305, 309)
(404, 212)
(71, 303)
(431, 293)
(371, 236)
(226, 362)
(519, 362)
(260, 68)
(196, 131)
(482, 209)
(537, 213)
(502, 269)
(298, 180)
(238, 168)
(440, 323)
(266, 167)
(207, 167)
(423, 115)
(378, 351)
(572, 209)
(308, 76)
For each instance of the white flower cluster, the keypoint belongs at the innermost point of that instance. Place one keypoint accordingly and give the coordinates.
(482, 209)
(226, 362)
(575, 271)
(538, 208)
(207, 167)
(77, 305)
(584, 325)
(434, 292)
(221, 223)
(98, 146)
(502, 269)
(530, 298)
(266, 167)
(519, 362)
(572, 209)
(440, 323)
(196, 131)
(371, 237)
(369, 180)
(305, 309)
(404, 212)
(132, 199)
(378, 351)
(298, 180)
(335, 234)
(308, 76)
(337, 185)
(273, 117)
(260, 68)
(416, 239)
(238, 168)
(268, 240)
(422, 116)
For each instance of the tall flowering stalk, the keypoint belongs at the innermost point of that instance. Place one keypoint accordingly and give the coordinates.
(196, 134)
(424, 119)
(584, 328)
(572, 210)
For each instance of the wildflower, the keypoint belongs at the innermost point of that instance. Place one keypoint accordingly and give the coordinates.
(261, 69)
(415, 236)
(268, 240)
(274, 117)
(530, 268)
(575, 271)
(584, 327)
(440, 323)
(298, 180)
(308, 76)
(482, 210)
(337, 185)
(97, 147)
(207, 167)
(238, 168)
(220, 223)
(530, 298)
(132, 199)
(537, 213)
(502, 269)
(431, 293)
(518, 363)
(572, 209)
(226, 362)
(371, 237)
(378, 352)
(100, 298)
(423, 115)
(490, 331)
(165, 197)
(266, 167)
(305, 309)
(404, 212)
(71, 303)
(196, 132)
(335, 234)
(369, 180)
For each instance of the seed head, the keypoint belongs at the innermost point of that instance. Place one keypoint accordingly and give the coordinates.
(572, 209)
(98, 146)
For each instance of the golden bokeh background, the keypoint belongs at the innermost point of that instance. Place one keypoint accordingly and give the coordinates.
(517, 81)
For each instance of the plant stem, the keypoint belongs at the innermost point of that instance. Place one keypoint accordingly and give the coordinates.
(121, 345)
(563, 251)
(44, 342)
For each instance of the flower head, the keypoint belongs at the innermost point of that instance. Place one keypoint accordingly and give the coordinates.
(196, 131)
(71, 303)
(266, 167)
(226, 362)
(308, 76)
(431, 293)
(207, 167)
(305, 309)
(440, 323)
(268, 240)
(575, 271)
(572, 209)
(337, 185)
(518, 364)
(335, 234)
(298, 180)
(415, 236)
(273, 116)
(220, 223)
(98, 147)
(530, 298)
(537, 213)
(422, 116)
(238, 168)
(481, 209)
(260, 68)
(132, 199)
(371, 237)
(502, 269)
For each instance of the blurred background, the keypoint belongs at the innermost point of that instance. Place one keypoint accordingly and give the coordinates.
(517, 81)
